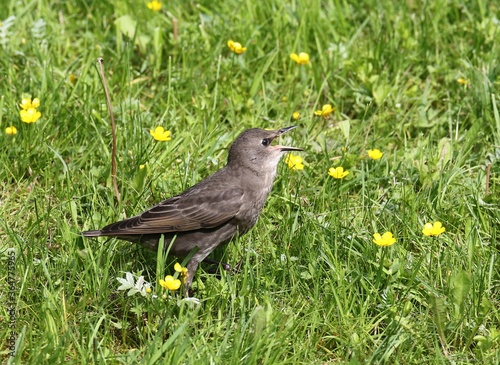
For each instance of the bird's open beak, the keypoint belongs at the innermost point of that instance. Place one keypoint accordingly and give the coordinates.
(279, 132)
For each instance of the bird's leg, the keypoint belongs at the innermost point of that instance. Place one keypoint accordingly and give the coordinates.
(191, 269)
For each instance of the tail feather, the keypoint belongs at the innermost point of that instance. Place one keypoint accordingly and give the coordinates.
(96, 233)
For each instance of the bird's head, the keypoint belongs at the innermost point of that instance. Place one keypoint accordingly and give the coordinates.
(254, 148)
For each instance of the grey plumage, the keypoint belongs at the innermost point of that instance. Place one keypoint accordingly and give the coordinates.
(212, 212)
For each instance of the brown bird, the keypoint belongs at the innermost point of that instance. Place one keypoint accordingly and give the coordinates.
(214, 211)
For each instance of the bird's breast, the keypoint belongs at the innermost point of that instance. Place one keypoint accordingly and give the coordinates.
(256, 184)
(251, 208)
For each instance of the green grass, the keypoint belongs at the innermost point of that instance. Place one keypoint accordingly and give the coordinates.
(313, 288)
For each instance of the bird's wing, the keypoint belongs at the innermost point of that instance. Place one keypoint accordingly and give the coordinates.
(182, 213)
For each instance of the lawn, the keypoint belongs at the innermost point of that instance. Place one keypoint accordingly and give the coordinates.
(419, 81)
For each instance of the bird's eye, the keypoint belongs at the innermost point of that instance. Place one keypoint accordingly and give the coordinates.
(265, 142)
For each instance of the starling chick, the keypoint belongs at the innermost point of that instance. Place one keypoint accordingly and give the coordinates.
(214, 211)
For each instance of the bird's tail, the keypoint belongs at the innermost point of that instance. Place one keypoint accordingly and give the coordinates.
(92, 233)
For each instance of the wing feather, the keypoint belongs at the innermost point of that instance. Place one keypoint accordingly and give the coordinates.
(186, 212)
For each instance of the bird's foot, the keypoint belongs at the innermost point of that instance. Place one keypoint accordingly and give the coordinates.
(225, 266)
(237, 267)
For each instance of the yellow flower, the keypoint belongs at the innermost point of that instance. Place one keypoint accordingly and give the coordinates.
(433, 229)
(154, 5)
(384, 240)
(236, 47)
(338, 172)
(170, 283)
(142, 166)
(296, 115)
(327, 109)
(26, 103)
(302, 58)
(11, 130)
(35, 103)
(463, 81)
(148, 290)
(72, 78)
(160, 134)
(375, 154)
(30, 115)
(294, 162)
(181, 269)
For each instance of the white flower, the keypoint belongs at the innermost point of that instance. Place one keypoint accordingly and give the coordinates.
(128, 283)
